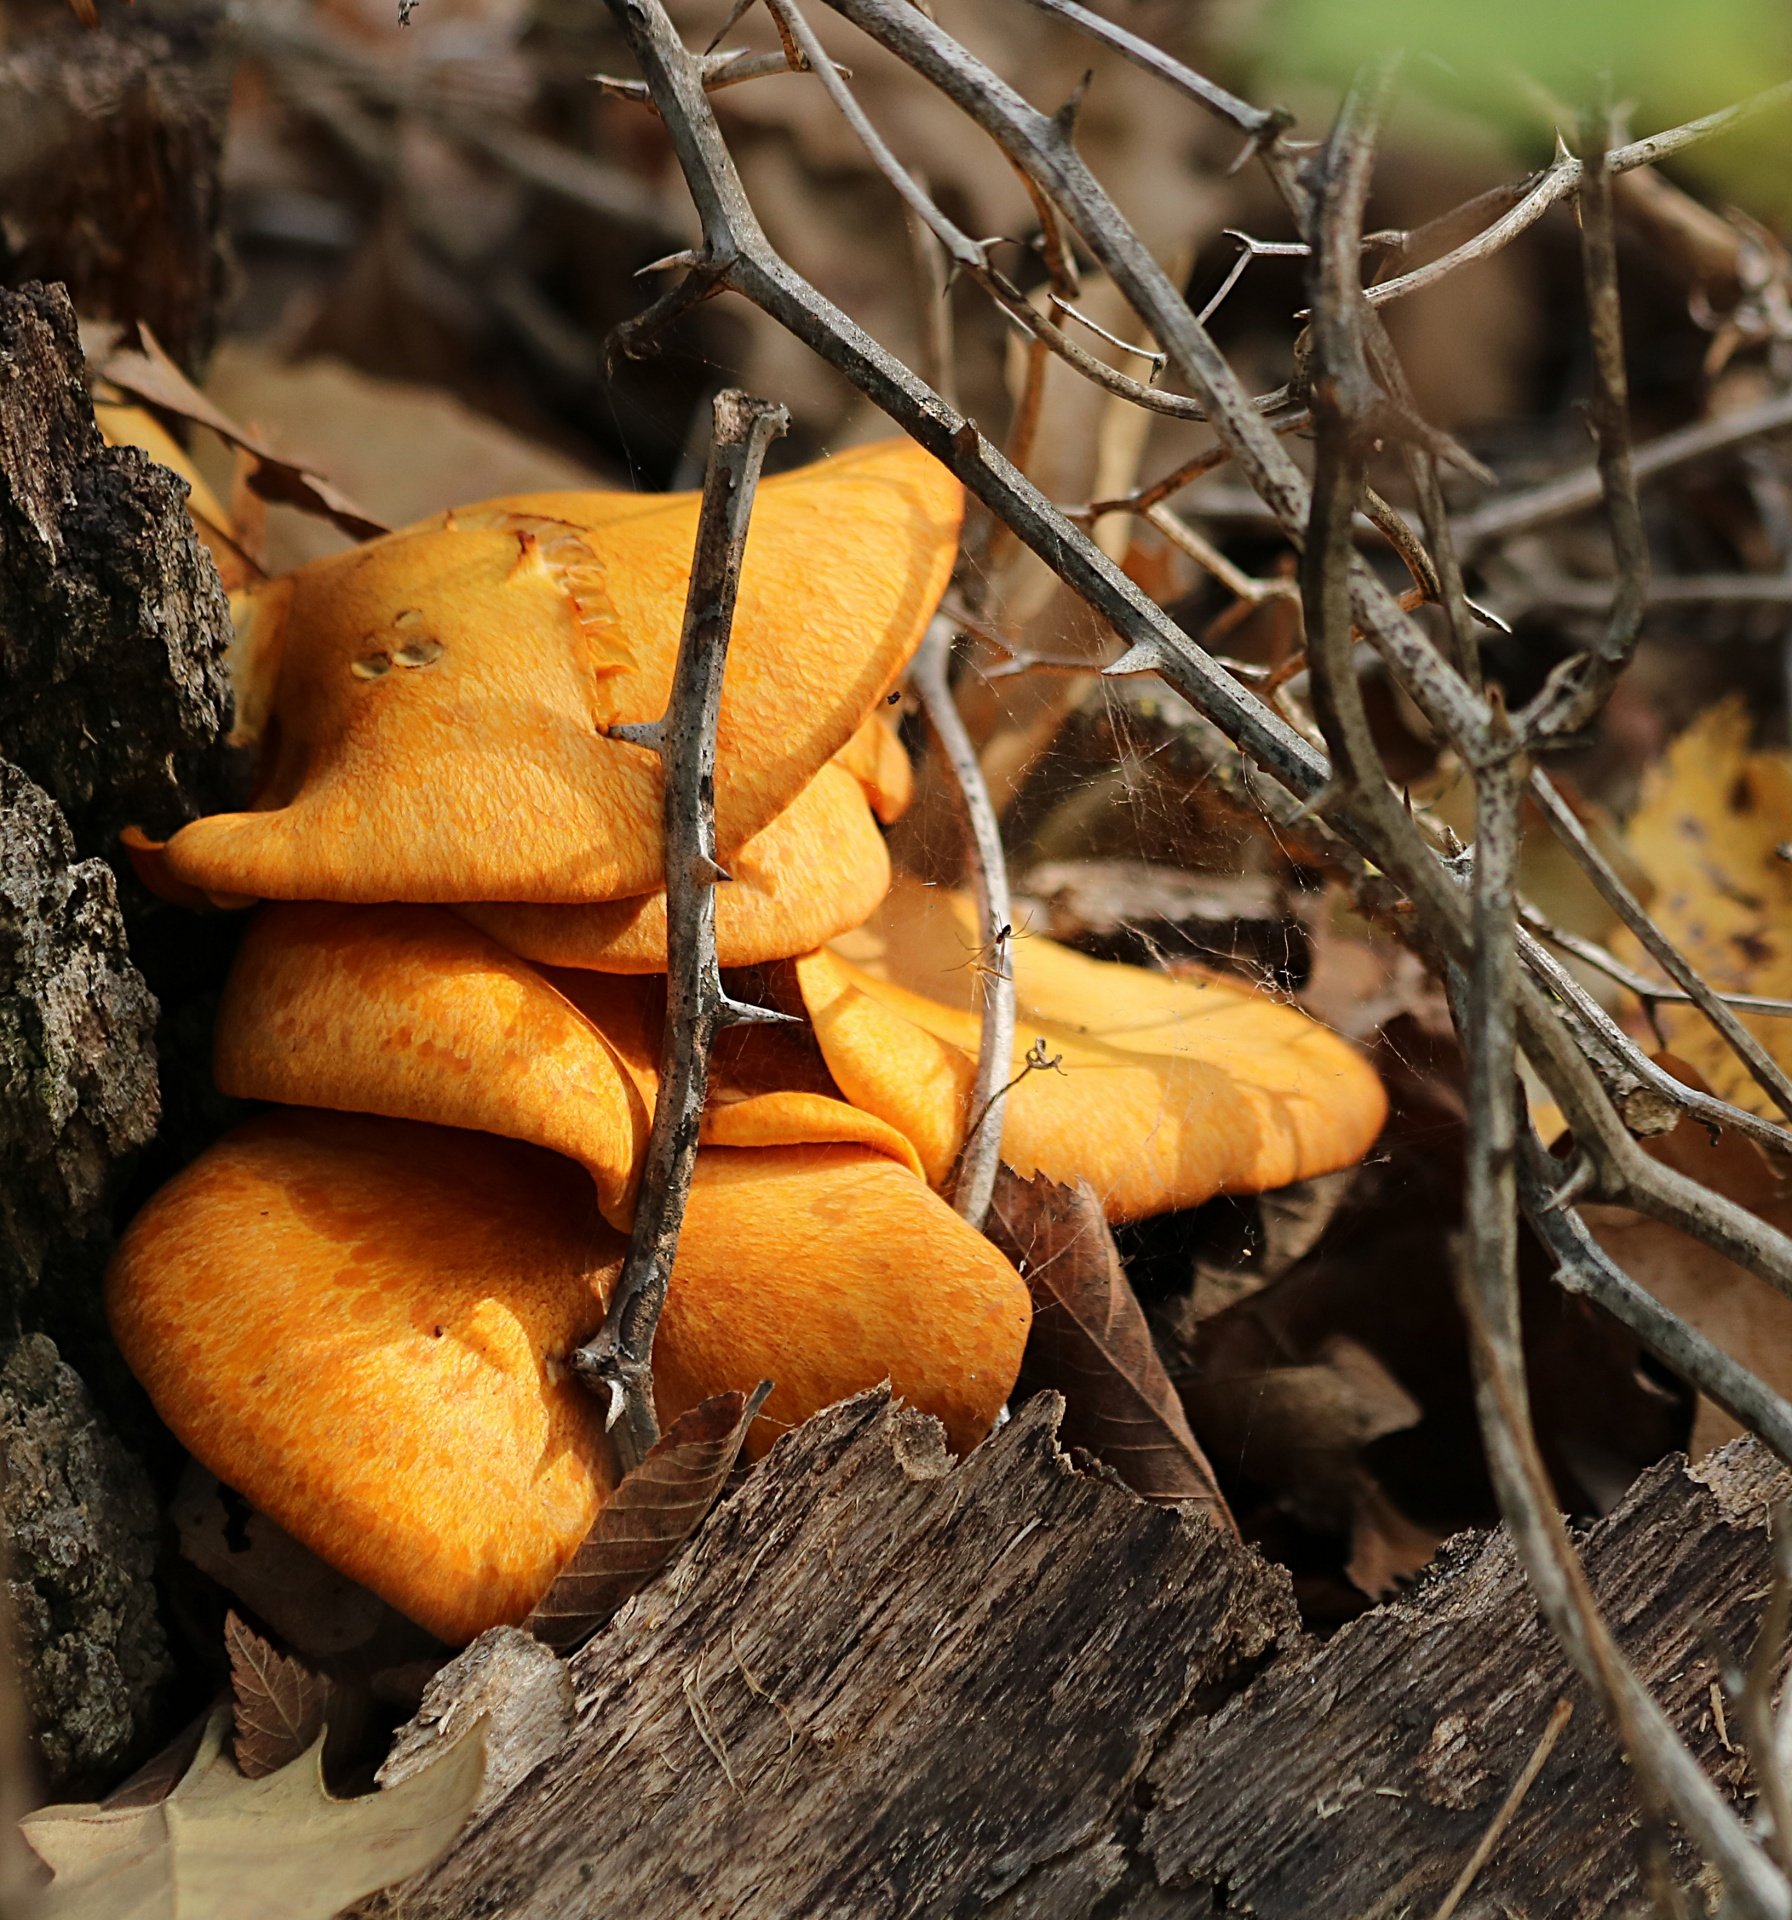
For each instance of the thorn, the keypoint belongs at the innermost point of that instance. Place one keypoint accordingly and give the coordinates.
(1143, 656)
(1485, 615)
(737, 13)
(1065, 118)
(741, 1013)
(1571, 1189)
(618, 1400)
(650, 734)
(713, 871)
(685, 257)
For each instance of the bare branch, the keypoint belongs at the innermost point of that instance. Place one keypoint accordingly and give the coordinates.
(619, 1359)
(980, 1158)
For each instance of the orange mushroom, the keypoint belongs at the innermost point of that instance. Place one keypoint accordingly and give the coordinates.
(362, 1326)
(410, 1013)
(1160, 1090)
(819, 869)
(444, 698)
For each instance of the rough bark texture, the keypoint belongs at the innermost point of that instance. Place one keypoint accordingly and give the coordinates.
(112, 623)
(80, 1525)
(77, 1056)
(884, 1684)
(112, 696)
(110, 144)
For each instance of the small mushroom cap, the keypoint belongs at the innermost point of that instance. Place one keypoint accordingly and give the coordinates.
(768, 1086)
(441, 717)
(819, 869)
(876, 758)
(362, 1325)
(1164, 1090)
(411, 1013)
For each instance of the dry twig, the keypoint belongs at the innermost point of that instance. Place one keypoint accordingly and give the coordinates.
(974, 1178)
(619, 1359)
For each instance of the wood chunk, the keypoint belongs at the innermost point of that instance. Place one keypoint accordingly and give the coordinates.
(880, 1683)
(1357, 1779)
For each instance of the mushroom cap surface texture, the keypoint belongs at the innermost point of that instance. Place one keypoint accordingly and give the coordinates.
(819, 869)
(1164, 1089)
(411, 1013)
(443, 697)
(362, 1326)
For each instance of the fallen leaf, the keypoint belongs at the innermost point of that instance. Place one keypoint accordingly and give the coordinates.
(224, 1847)
(647, 1519)
(1710, 832)
(278, 1703)
(1729, 1305)
(1090, 1342)
(146, 373)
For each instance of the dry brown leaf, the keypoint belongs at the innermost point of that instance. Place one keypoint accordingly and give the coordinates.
(225, 1847)
(146, 373)
(1090, 1342)
(278, 1703)
(1708, 833)
(1727, 1303)
(649, 1517)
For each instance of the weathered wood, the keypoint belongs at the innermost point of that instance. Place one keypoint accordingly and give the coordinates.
(1357, 1780)
(880, 1683)
(885, 1684)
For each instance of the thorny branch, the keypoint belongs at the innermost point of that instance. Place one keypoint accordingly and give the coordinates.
(619, 1359)
(1462, 913)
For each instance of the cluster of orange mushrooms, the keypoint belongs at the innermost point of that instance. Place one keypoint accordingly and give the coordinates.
(357, 1309)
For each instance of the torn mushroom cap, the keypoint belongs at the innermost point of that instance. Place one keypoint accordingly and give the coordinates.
(362, 1326)
(444, 697)
(411, 1013)
(818, 870)
(1160, 1091)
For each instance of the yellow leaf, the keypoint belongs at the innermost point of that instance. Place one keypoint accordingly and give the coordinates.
(1707, 832)
(222, 1847)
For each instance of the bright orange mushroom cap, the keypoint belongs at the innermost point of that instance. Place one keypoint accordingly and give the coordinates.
(442, 698)
(362, 1326)
(411, 1013)
(818, 870)
(1161, 1090)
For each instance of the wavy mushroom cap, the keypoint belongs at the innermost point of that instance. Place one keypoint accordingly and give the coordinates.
(818, 870)
(443, 697)
(1161, 1090)
(362, 1326)
(410, 1013)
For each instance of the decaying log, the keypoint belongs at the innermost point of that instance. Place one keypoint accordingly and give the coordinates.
(80, 1524)
(882, 1683)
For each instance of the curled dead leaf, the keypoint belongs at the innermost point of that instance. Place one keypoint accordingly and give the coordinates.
(647, 1519)
(146, 373)
(1090, 1342)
